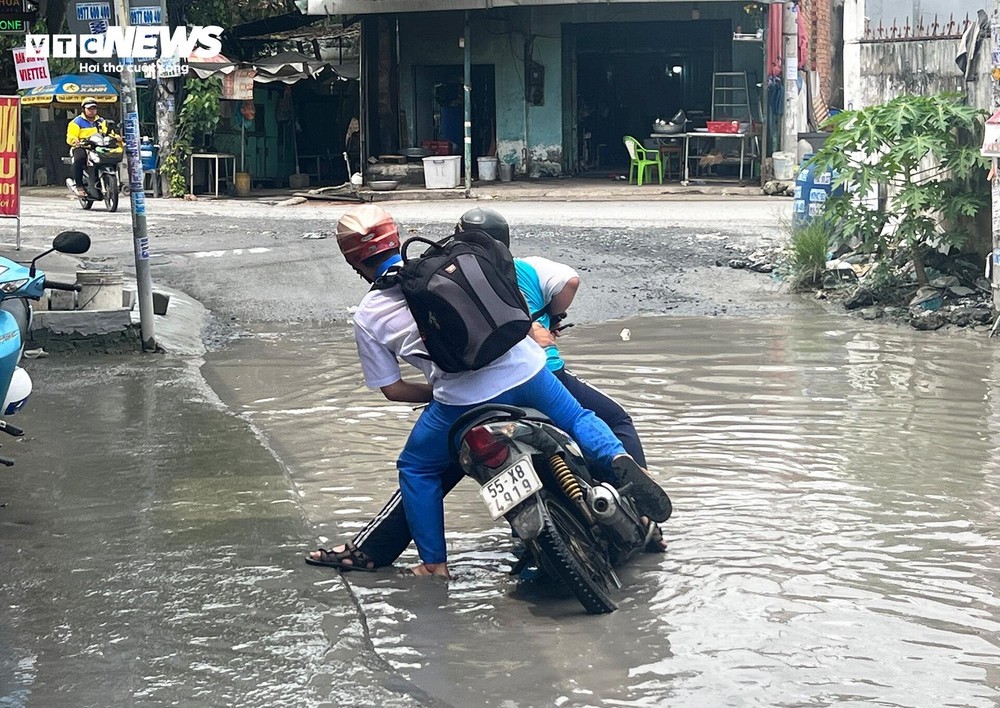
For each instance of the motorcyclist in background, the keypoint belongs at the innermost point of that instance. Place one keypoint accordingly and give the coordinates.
(79, 129)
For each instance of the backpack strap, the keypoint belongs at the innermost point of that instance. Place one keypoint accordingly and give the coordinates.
(387, 279)
(439, 245)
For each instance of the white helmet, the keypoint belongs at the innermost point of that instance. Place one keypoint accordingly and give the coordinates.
(17, 392)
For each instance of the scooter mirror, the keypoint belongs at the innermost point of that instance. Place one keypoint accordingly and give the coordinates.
(74, 242)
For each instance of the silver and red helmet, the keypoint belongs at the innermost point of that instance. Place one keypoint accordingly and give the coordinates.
(366, 231)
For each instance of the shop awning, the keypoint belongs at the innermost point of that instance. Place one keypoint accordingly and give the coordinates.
(71, 89)
(287, 68)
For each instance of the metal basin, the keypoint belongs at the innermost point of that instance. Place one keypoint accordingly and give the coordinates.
(383, 185)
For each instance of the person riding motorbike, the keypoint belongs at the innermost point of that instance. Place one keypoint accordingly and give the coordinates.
(549, 288)
(387, 535)
(84, 126)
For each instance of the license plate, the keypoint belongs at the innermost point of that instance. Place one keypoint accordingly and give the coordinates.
(510, 487)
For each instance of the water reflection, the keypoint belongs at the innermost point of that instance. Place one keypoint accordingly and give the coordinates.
(834, 539)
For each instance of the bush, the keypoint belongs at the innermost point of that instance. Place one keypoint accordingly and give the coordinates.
(807, 254)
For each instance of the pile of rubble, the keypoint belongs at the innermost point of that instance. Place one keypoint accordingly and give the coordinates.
(943, 301)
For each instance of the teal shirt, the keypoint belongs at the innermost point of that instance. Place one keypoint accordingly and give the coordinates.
(531, 288)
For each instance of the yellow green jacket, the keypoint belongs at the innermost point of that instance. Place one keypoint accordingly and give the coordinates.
(80, 129)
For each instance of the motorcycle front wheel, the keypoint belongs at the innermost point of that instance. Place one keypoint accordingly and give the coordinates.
(109, 184)
(568, 552)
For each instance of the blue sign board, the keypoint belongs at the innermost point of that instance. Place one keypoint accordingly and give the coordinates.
(145, 15)
(88, 12)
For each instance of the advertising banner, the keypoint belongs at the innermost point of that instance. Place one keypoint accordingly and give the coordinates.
(10, 156)
(238, 86)
(31, 71)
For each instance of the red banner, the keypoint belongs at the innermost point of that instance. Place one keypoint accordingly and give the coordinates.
(10, 156)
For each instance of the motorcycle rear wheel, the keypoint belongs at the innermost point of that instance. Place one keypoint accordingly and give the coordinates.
(109, 183)
(570, 554)
(85, 202)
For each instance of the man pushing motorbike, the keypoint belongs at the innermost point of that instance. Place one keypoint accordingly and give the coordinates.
(86, 124)
(386, 333)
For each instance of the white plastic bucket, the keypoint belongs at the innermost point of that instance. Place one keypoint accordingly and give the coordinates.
(99, 289)
(441, 171)
(784, 166)
(487, 168)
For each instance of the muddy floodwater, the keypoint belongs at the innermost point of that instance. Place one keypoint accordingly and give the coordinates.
(835, 536)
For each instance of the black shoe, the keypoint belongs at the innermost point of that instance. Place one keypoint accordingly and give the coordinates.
(649, 498)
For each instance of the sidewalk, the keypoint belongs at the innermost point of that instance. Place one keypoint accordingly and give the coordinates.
(105, 331)
(572, 189)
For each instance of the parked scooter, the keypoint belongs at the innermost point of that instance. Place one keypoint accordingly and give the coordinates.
(18, 284)
(576, 528)
(100, 177)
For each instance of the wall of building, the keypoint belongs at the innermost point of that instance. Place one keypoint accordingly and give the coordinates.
(876, 70)
(817, 16)
(889, 69)
(532, 136)
(885, 11)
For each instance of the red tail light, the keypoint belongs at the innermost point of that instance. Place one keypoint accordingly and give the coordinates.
(485, 448)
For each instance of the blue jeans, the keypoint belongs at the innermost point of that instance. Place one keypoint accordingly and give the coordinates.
(607, 409)
(425, 456)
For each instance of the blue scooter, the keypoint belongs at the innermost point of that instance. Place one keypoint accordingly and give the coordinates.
(18, 284)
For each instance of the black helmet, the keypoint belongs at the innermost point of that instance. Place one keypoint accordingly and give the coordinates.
(486, 220)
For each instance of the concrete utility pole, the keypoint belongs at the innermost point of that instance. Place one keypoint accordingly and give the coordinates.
(140, 241)
(995, 183)
(790, 76)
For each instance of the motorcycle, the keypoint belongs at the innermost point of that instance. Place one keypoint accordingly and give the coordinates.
(575, 528)
(100, 177)
(18, 284)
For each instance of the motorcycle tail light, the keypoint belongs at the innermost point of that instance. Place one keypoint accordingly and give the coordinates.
(486, 448)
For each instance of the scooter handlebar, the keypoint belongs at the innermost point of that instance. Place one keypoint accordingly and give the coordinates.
(54, 285)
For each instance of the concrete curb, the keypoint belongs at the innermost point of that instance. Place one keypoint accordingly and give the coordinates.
(568, 189)
(114, 331)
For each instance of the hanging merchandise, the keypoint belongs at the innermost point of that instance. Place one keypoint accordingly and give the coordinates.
(248, 111)
(284, 108)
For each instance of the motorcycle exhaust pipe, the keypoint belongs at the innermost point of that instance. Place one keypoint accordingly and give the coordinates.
(606, 505)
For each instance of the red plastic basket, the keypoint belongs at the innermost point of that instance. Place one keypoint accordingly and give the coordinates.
(437, 147)
(723, 126)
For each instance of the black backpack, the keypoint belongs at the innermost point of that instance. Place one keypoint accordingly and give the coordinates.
(463, 294)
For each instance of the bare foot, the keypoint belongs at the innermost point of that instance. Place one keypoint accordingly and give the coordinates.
(655, 542)
(428, 569)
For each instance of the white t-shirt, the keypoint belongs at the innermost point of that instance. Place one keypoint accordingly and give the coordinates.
(385, 332)
(552, 276)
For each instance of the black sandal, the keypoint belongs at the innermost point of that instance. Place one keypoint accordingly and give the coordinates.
(355, 558)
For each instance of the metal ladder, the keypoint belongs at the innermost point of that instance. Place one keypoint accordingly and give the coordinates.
(731, 96)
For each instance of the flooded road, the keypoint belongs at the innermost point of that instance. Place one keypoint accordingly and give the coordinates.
(835, 538)
(834, 541)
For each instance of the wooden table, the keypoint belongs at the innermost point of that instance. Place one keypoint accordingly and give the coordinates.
(669, 144)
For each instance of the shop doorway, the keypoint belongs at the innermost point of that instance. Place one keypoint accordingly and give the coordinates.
(440, 107)
(630, 74)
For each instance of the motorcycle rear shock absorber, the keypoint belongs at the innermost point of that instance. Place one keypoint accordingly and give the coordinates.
(570, 486)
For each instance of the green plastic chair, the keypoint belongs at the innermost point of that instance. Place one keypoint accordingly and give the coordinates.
(641, 158)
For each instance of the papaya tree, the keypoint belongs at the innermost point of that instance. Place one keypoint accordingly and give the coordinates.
(907, 175)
